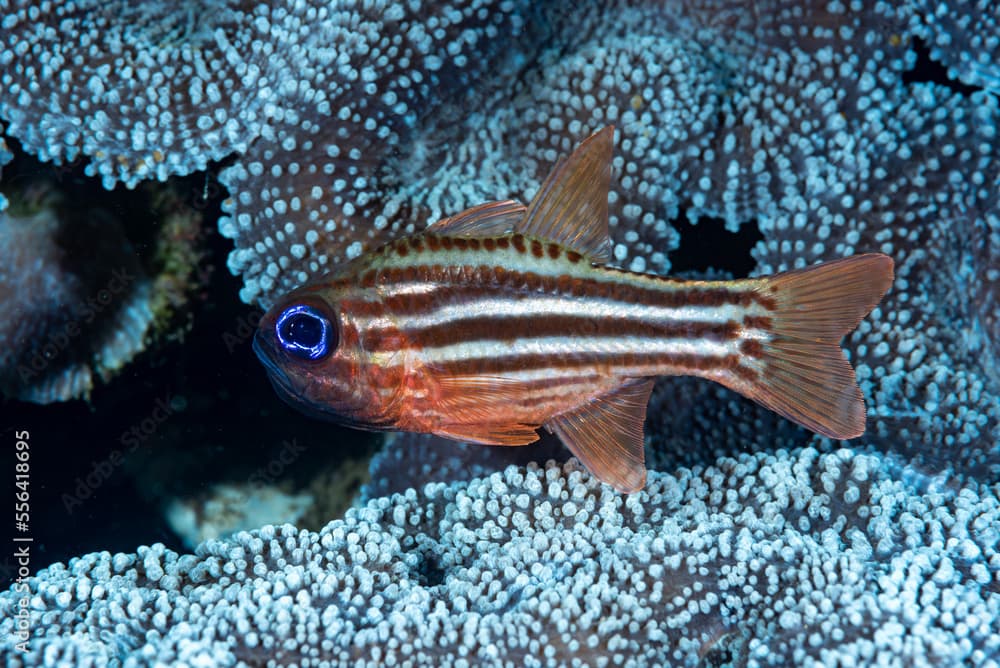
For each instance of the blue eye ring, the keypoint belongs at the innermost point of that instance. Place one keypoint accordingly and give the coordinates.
(305, 332)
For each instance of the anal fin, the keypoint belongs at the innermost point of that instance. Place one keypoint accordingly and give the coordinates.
(605, 434)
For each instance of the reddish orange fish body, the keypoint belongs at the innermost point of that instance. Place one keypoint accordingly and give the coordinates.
(505, 318)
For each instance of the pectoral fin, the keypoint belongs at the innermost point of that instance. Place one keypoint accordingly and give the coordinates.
(473, 403)
(490, 434)
(605, 434)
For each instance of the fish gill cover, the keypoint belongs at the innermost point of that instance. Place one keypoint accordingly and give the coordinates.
(346, 125)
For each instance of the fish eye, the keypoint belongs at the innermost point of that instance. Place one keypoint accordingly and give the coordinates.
(304, 332)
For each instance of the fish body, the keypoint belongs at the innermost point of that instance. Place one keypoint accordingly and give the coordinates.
(506, 318)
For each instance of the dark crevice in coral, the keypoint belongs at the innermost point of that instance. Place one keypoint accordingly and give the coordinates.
(707, 245)
(103, 488)
(94, 255)
(926, 70)
(428, 570)
(729, 650)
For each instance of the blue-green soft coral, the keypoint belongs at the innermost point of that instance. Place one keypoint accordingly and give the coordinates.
(347, 124)
(5, 157)
(770, 559)
(353, 122)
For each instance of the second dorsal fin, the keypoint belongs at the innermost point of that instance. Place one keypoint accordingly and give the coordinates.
(571, 207)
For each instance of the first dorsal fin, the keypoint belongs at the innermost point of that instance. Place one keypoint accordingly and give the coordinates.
(571, 207)
(486, 220)
(605, 434)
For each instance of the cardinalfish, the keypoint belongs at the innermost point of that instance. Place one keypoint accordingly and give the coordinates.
(505, 318)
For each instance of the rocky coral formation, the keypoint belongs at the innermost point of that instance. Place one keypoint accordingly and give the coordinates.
(762, 560)
(141, 90)
(79, 301)
(68, 318)
(5, 157)
(221, 509)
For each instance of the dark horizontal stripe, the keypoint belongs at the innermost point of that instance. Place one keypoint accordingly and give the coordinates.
(464, 281)
(435, 242)
(507, 328)
(747, 374)
(757, 322)
(362, 308)
(608, 363)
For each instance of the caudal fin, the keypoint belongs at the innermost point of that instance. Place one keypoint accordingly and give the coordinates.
(800, 371)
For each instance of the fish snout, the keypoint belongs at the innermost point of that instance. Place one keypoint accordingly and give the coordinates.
(265, 350)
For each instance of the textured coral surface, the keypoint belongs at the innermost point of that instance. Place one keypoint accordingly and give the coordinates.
(817, 129)
(791, 558)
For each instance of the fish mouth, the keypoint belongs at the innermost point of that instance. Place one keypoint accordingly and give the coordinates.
(282, 384)
(274, 371)
(294, 397)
